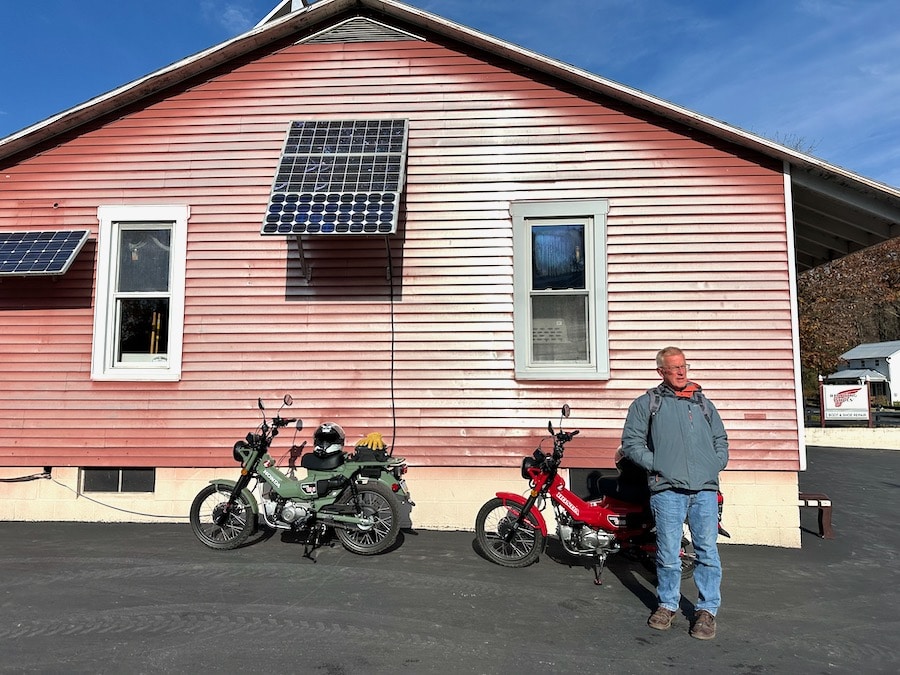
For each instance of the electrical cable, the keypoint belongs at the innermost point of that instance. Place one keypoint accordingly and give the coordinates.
(390, 275)
(23, 479)
(46, 474)
(110, 506)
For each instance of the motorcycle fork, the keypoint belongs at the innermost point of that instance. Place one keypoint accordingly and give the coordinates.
(239, 485)
(523, 514)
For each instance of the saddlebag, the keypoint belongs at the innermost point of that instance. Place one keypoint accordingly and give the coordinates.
(364, 454)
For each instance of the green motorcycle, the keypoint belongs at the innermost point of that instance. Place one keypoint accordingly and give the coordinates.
(359, 495)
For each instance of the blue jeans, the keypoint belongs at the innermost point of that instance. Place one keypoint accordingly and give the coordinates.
(670, 508)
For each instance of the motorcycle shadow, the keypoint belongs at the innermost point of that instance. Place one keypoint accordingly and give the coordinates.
(635, 575)
(330, 540)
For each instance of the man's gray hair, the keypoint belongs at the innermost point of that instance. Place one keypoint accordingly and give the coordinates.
(668, 351)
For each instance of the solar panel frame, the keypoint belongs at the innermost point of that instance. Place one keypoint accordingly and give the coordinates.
(339, 177)
(40, 252)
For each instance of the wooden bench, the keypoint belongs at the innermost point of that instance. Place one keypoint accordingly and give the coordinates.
(823, 503)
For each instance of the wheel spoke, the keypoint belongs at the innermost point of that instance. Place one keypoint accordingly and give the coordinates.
(505, 540)
(207, 511)
(377, 505)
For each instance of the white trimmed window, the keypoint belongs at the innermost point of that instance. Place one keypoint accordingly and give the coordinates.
(560, 310)
(139, 309)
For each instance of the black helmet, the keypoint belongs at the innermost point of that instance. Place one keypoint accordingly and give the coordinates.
(329, 438)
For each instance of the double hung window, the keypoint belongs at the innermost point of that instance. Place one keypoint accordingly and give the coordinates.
(560, 290)
(139, 311)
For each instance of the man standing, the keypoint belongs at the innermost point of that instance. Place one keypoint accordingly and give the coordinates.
(676, 434)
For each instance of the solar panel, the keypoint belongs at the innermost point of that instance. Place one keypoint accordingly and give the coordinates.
(338, 177)
(33, 253)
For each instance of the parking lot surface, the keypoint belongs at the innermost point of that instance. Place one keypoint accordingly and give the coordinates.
(138, 598)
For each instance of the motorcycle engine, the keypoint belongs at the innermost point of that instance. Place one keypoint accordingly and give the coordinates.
(293, 511)
(579, 539)
(284, 513)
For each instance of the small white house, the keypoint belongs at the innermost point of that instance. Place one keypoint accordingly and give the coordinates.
(877, 362)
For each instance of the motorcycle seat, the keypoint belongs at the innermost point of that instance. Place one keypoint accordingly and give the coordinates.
(315, 462)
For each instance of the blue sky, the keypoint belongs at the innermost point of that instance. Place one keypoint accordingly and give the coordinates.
(822, 76)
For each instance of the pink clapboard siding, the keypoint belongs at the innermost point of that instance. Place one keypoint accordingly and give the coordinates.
(697, 256)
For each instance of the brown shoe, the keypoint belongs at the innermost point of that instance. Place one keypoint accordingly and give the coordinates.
(661, 619)
(704, 627)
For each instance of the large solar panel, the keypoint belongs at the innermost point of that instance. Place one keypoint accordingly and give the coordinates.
(33, 253)
(338, 177)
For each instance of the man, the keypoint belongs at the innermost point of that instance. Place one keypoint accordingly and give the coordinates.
(675, 433)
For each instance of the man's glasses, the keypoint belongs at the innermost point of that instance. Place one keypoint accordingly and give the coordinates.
(677, 369)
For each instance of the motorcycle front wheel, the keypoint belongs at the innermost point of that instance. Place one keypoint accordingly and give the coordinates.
(216, 528)
(378, 506)
(500, 541)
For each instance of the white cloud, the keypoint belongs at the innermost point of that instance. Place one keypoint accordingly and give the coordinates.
(234, 17)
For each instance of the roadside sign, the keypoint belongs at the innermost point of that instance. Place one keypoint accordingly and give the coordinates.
(845, 402)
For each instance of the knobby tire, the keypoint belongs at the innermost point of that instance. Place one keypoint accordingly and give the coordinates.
(494, 531)
(209, 503)
(379, 503)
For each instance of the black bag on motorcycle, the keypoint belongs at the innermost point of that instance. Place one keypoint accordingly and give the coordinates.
(361, 453)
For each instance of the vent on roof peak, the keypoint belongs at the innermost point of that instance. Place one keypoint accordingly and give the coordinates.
(358, 29)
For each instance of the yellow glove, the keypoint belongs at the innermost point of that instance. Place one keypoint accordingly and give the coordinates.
(372, 441)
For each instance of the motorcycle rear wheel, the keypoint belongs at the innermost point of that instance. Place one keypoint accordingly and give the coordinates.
(378, 503)
(688, 559)
(493, 530)
(208, 506)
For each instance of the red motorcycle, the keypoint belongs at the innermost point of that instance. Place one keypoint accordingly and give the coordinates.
(512, 532)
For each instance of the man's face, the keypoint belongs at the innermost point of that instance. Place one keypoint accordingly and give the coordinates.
(674, 371)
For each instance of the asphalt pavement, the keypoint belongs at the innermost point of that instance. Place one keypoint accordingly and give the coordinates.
(139, 598)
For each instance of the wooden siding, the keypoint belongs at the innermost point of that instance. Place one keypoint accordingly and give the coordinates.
(697, 256)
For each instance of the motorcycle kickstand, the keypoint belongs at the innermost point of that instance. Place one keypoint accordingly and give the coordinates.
(312, 541)
(599, 561)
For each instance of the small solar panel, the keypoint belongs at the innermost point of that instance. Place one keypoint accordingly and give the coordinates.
(34, 253)
(338, 177)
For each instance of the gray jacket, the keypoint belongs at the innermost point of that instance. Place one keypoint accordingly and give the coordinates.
(679, 448)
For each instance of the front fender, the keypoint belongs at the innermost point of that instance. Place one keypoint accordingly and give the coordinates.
(514, 498)
(245, 493)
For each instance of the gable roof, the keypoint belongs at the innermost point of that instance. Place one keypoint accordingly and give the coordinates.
(858, 374)
(873, 350)
(835, 211)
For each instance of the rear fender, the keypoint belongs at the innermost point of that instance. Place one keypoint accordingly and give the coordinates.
(513, 498)
(224, 482)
